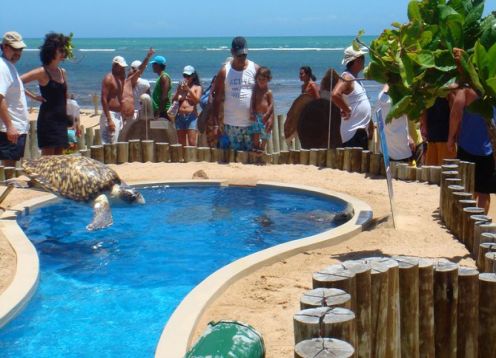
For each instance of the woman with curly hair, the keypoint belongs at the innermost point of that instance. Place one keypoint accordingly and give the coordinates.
(52, 118)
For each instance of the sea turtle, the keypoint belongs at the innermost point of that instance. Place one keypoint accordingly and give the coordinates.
(81, 179)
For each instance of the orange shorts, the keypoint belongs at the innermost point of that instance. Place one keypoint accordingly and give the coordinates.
(436, 152)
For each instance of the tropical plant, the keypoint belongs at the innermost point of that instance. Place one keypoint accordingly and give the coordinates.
(416, 58)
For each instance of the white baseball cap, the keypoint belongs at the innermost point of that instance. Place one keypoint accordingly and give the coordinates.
(135, 64)
(120, 61)
(188, 70)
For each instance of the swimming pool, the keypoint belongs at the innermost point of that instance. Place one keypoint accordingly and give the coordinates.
(110, 292)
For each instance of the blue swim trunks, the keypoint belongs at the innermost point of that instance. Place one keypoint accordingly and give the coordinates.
(259, 127)
(71, 135)
(186, 121)
(239, 137)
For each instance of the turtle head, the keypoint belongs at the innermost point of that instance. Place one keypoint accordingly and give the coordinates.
(127, 194)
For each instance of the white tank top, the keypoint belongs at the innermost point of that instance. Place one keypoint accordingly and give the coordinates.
(238, 90)
(360, 111)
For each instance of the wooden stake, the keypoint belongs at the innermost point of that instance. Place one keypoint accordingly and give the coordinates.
(162, 152)
(487, 314)
(339, 158)
(122, 152)
(323, 348)
(445, 308)
(190, 154)
(97, 152)
(325, 297)
(468, 312)
(135, 150)
(426, 308)
(148, 151)
(176, 153)
(110, 153)
(365, 161)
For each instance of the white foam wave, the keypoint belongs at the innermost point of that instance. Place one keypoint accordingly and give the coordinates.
(97, 49)
(223, 48)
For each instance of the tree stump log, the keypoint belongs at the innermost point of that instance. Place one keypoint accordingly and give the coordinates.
(176, 151)
(323, 348)
(339, 158)
(162, 152)
(445, 308)
(97, 152)
(135, 150)
(110, 153)
(426, 308)
(304, 156)
(325, 297)
(468, 312)
(122, 152)
(148, 151)
(487, 314)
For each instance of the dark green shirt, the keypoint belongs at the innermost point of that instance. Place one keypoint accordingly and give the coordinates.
(157, 94)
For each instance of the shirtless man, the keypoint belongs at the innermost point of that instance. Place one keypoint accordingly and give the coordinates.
(112, 96)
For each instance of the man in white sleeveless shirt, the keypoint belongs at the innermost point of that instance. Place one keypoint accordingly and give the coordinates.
(233, 90)
(350, 96)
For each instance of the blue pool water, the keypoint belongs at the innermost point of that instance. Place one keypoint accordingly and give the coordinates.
(109, 293)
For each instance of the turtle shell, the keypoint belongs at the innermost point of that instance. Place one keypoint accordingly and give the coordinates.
(73, 177)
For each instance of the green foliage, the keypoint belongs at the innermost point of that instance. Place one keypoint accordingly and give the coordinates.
(416, 58)
(69, 47)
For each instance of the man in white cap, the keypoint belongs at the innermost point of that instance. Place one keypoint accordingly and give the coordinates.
(141, 86)
(14, 117)
(350, 96)
(112, 88)
(117, 98)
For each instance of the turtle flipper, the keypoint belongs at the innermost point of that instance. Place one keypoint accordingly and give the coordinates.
(102, 216)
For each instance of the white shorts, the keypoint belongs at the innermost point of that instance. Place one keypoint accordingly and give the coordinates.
(107, 136)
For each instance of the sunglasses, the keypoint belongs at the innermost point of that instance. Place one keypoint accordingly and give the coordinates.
(15, 49)
(186, 76)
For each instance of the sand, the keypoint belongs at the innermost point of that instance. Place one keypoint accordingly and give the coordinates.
(268, 298)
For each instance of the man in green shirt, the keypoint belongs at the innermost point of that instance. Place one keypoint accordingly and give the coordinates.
(162, 93)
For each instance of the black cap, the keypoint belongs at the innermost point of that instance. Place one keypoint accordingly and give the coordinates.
(239, 46)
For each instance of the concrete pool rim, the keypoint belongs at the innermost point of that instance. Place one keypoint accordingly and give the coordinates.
(177, 335)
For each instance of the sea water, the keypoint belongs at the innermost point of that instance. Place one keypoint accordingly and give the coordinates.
(283, 55)
(109, 293)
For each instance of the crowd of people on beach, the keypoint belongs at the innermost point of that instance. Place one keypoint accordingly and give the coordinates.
(240, 107)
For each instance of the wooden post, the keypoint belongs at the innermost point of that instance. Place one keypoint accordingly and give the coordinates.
(163, 154)
(81, 141)
(434, 175)
(294, 156)
(443, 194)
(484, 248)
(418, 174)
(321, 157)
(122, 152)
(148, 151)
(467, 224)
(89, 137)
(482, 224)
(449, 205)
(489, 262)
(393, 344)
(347, 159)
(411, 173)
(134, 150)
(216, 155)
(231, 156)
(190, 154)
(365, 161)
(340, 158)
(401, 168)
(97, 152)
(331, 347)
(426, 308)
(204, 154)
(109, 153)
(325, 297)
(409, 306)
(375, 164)
(457, 211)
(451, 161)
(284, 157)
(356, 160)
(445, 308)
(319, 322)
(304, 156)
(10, 172)
(379, 311)
(472, 219)
(470, 177)
(85, 153)
(176, 152)
(97, 139)
(362, 309)
(331, 158)
(242, 157)
(468, 312)
(312, 157)
(2, 173)
(426, 169)
(33, 140)
(487, 314)
(276, 135)
(335, 276)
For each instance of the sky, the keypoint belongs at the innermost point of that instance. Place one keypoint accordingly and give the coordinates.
(193, 18)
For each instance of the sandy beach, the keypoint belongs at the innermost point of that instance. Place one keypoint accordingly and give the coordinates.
(268, 298)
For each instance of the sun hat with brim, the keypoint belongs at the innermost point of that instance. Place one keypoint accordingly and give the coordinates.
(119, 60)
(350, 54)
(13, 39)
(188, 70)
(160, 60)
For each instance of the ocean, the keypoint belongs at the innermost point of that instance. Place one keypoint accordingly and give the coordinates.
(283, 55)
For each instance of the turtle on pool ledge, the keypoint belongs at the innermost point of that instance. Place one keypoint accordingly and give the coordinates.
(81, 179)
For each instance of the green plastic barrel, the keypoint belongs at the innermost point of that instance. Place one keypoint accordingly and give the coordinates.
(228, 339)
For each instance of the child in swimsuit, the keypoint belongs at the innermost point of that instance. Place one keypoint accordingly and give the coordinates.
(262, 109)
